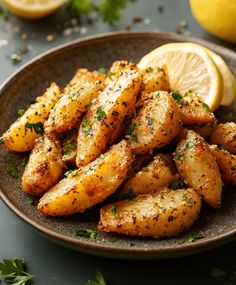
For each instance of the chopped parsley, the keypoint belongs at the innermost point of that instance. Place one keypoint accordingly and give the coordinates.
(177, 184)
(88, 105)
(164, 158)
(100, 114)
(12, 170)
(204, 105)
(72, 173)
(13, 272)
(129, 195)
(30, 201)
(179, 152)
(37, 127)
(66, 149)
(177, 97)
(20, 112)
(86, 126)
(85, 233)
(112, 239)
(192, 238)
(103, 70)
(114, 211)
(217, 272)
(99, 280)
(150, 120)
(15, 58)
(130, 133)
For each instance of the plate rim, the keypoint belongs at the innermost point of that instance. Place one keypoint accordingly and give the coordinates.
(103, 249)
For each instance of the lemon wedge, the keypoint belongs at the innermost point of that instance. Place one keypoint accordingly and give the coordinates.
(33, 9)
(190, 67)
(229, 83)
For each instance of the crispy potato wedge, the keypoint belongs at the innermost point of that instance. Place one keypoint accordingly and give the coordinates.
(106, 116)
(162, 214)
(44, 168)
(225, 136)
(23, 132)
(226, 162)
(156, 124)
(159, 173)
(69, 110)
(89, 185)
(69, 148)
(198, 168)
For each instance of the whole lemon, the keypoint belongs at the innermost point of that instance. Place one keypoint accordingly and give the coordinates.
(216, 16)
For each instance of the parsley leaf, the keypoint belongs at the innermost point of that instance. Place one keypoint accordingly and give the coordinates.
(112, 239)
(129, 195)
(12, 170)
(130, 133)
(86, 126)
(37, 127)
(204, 105)
(177, 184)
(20, 112)
(99, 280)
(100, 114)
(30, 201)
(79, 7)
(192, 238)
(85, 233)
(67, 147)
(114, 211)
(177, 97)
(12, 270)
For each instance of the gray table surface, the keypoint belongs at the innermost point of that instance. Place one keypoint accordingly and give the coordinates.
(51, 263)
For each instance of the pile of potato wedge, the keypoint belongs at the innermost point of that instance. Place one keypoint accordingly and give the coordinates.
(125, 132)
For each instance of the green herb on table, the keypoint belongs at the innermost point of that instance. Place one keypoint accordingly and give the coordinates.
(177, 97)
(129, 195)
(79, 7)
(20, 112)
(4, 13)
(112, 239)
(114, 211)
(66, 149)
(37, 127)
(30, 201)
(183, 24)
(100, 114)
(12, 170)
(192, 238)
(15, 58)
(12, 271)
(99, 280)
(85, 233)
(217, 272)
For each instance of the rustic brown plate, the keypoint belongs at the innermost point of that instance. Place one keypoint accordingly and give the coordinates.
(59, 64)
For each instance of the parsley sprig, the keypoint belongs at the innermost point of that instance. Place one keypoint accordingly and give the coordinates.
(37, 127)
(99, 280)
(12, 271)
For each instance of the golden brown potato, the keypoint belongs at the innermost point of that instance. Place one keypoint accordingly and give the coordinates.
(69, 148)
(162, 214)
(69, 110)
(106, 116)
(198, 168)
(159, 173)
(82, 76)
(225, 136)
(156, 124)
(226, 162)
(23, 132)
(44, 167)
(89, 185)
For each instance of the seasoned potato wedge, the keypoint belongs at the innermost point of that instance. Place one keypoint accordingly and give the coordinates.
(69, 148)
(89, 185)
(225, 136)
(162, 214)
(106, 116)
(198, 168)
(159, 173)
(156, 124)
(226, 162)
(23, 132)
(68, 111)
(44, 168)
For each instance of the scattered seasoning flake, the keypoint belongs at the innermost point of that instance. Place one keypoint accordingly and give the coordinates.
(114, 211)
(100, 114)
(37, 127)
(183, 24)
(30, 201)
(112, 239)
(146, 21)
(177, 184)
(67, 147)
(192, 238)
(67, 32)
(50, 38)
(160, 8)
(206, 107)
(24, 36)
(12, 170)
(217, 272)
(177, 97)
(20, 112)
(99, 280)
(137, 19)
(83, 30)
(129, 195)
(85, 233)
(15, 58)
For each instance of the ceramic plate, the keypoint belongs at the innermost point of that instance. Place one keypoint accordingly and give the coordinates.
(59, 64)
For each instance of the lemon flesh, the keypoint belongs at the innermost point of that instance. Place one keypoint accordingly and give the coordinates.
(190, 67)
(217, 17)
(33, 9)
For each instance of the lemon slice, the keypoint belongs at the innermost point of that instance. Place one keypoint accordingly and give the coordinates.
(190, 67)
(229, 83)
(33, 9)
